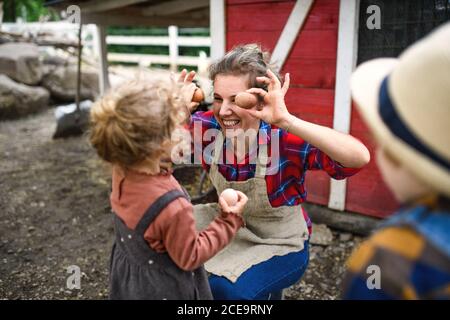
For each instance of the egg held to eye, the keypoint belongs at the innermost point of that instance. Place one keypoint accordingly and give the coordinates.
(198, 95)
(230, 196)
(246, 100)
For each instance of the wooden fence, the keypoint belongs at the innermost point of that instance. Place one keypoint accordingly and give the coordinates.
(68, 32)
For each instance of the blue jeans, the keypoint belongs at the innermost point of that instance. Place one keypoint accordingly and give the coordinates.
(263, 281)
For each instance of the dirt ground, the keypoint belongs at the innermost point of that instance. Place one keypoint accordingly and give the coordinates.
(54, 213)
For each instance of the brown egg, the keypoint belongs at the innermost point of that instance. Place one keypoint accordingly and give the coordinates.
(230, 196)
(198, 95)
(246, 100)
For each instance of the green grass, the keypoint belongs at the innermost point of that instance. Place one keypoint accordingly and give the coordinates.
(163, 50)
(135, 31)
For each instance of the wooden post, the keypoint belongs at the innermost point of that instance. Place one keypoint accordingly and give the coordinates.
(1, 14)
(103, 60)
(217, 27)
(202, 65)
(80, 52)
(290, 32)
(346, 62)
(173, 48)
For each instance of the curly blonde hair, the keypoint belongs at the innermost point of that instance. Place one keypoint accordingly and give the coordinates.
(134, 122)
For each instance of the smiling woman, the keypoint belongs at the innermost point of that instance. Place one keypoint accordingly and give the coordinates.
(271, 253)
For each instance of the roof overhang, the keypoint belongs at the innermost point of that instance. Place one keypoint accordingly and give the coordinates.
(154, 13)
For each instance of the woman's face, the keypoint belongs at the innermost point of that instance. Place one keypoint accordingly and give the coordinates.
(231, 118)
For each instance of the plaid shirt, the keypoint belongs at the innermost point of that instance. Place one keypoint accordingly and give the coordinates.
(412, 253)
(285, 187)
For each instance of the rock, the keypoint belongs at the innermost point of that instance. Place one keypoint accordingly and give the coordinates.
(345, 237)
(55, 60)
(18, 99)
(321, 235)
(61, 81)
(20, 61)
(70, 121)
(316, 249)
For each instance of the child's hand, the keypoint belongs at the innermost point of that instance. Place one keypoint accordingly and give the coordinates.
(188, 89)
(274, 109)
(238, 208)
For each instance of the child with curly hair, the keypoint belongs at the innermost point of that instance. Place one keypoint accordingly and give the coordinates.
(158, 252)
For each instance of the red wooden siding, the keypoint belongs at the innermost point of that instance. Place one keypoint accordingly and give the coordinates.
(312, 65)
(366, 192)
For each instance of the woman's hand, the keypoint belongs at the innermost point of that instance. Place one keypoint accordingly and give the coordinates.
(273, 109)
(238, 208)
(188, 89)
(341, 147)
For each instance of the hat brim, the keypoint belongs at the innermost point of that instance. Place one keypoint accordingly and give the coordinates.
(365, 86)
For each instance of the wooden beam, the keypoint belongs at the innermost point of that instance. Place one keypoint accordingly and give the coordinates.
(1, 13)
(346, 62)
(157, 41)
(100, 5)
(173, 7)
(102, 51)
(290, 32)
(217, 27)
(146, 59)
(173, 47)
(116, 19)
(345, 221)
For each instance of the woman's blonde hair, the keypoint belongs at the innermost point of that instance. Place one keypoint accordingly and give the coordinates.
(247, 59)
(135, 120)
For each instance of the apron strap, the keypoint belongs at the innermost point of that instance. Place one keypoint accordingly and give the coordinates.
(156, 207)
(218, 147)
(262, 161)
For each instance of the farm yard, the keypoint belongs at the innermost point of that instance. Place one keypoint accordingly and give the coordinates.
(54, 213)
(59, 56)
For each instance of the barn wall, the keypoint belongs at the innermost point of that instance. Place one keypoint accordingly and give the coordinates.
(312, 65)
(366, 192)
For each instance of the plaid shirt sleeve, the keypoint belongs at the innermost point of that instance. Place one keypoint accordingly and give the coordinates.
(200, 122)
(408, 267)
(318, 160)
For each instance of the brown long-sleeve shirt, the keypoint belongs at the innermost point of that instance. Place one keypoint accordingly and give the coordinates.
(174, 229)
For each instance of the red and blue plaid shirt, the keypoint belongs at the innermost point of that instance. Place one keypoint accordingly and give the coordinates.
(285, 187)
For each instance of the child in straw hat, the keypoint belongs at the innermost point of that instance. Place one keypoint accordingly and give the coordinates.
(158, 253)
(406, 104)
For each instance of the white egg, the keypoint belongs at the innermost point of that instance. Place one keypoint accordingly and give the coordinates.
(230, 196)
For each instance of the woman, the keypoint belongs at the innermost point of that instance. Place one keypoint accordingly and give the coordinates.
(271, 252)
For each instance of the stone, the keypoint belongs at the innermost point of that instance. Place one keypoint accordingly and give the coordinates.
(20, 61)
(61, 81)
(321, 235)
(18, 99)
(344, 237)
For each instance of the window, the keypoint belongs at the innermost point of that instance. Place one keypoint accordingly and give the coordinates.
(403, 22)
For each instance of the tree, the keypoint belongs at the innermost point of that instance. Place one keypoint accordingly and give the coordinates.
(28, 10)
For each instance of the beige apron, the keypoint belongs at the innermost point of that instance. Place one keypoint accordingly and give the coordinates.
(269, 231)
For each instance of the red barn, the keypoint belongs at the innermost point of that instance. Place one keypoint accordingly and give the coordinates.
(317, 43)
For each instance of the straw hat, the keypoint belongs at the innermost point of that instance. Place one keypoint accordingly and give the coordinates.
(406, 104)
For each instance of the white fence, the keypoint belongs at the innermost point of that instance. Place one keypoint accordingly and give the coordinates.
(68, 32)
